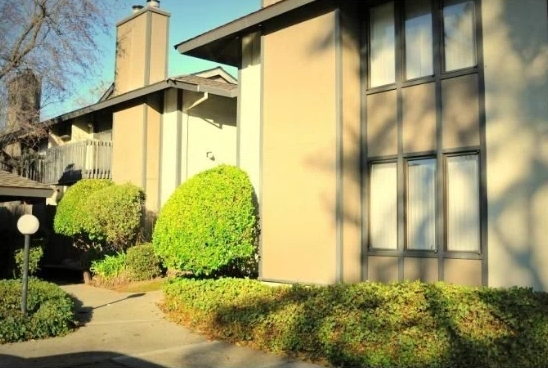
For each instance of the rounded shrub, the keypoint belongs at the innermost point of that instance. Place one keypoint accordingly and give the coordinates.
(142, 263)
(50, 311)
(209, 224)
(114, 215)
(71, 218)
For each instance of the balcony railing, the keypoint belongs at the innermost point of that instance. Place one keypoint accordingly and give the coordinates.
(80, 160)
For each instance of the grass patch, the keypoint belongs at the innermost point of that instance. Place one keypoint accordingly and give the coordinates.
(409, 324)
(141, 286)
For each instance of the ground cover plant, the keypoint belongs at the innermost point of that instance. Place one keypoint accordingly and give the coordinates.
(408, 324)
(50, 311)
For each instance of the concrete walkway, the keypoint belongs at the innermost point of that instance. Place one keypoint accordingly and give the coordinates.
(128, 330)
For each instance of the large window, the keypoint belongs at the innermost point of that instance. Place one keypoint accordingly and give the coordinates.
(421, 204)
(456, 34)
(383, 45)
(459, 34)
(419, 60)
(462, 194)
(384, 203)
(460, 205)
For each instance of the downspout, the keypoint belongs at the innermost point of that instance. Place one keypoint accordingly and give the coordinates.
(199, 101)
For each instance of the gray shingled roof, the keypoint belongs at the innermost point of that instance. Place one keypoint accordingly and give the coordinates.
(18, 187)
(201, 81)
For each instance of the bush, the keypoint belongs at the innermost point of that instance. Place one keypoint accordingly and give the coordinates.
(110, 267)
(100, 215)
(209, 224)
(35, 255)
(50, 311)
(371, 325)
(115, 214)
(71, 217)
(142, 262)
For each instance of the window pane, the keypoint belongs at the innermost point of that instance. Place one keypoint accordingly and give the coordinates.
(421, 204)
(463, 203)
(383, 46)
(384, 203)
(459, 34)
(418, 39)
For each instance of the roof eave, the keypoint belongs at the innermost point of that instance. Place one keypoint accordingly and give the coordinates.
(24, 192)
(132, 95)
(201, 46)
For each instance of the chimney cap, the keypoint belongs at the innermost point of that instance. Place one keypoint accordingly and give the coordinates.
(153, 3)
(136, 8)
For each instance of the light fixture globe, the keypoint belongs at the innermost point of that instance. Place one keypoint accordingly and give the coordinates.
(28, 224)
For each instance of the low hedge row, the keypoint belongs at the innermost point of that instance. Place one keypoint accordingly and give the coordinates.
(409, 324)
(50, 311)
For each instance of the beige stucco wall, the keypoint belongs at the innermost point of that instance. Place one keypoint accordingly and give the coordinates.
(299, 140)
(130, 55)
(169, 143)
(158, 48)
(205, 123)
(516, 85)
(141, 56)
(128, 148)
(249, 119)
(80, 130)
(154, 120)
(350, 140)
(210, 127)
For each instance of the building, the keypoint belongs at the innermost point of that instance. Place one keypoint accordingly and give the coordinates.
(393, 140)
(149, 129)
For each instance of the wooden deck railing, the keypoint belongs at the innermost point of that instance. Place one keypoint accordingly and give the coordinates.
(80, 160)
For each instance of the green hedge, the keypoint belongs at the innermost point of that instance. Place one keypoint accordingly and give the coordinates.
(114, 215)
(209, 224)
(101, 215)
(370, 324)
(50, 311)
(71, 218)
(142, 262)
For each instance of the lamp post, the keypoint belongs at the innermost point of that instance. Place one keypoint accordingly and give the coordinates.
(27, 225)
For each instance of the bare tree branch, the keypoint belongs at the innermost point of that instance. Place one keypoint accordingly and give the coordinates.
(56, 40)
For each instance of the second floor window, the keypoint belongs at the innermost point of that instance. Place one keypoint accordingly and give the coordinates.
(457, 35)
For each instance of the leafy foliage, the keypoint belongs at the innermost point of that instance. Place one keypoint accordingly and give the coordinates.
(35, 255)
(209, 224)
(114, 215)
(71, 218)
(100, 214)
(111, 266)
(407, 324)
(50, 311)
(142, 262)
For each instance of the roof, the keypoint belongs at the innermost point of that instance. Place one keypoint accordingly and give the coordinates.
(217, 72)
(14, 187)
(206, 82)
(222, 44)
(184, 82)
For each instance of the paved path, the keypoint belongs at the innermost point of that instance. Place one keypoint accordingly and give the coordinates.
(128, 330)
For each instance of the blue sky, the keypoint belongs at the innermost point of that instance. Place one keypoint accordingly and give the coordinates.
(189, 18)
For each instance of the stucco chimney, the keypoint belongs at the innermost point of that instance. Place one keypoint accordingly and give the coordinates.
(24, 92)
(23, 108)
(141, 48)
